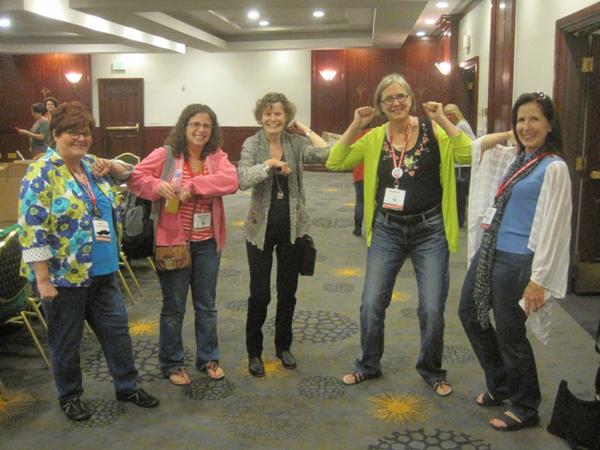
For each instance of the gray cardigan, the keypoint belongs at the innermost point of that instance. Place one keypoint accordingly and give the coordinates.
(253, 174)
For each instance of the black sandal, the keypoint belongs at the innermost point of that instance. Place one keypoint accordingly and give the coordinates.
(488, 401)
(354, 378)
(513, 424)
(438, 384)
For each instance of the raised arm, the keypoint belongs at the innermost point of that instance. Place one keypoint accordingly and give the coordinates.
(250, 170)
(346, 153)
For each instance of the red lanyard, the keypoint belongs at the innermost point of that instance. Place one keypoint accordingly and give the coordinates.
(88, 188)
(504, 185)
(407, 132)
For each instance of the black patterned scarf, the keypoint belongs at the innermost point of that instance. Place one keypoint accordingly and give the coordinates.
(487, 253)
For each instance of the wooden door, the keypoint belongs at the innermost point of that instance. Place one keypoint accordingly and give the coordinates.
(469, 91)
(587, 274)
(121, 104)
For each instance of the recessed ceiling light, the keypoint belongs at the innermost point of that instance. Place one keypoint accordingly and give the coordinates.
(263, 23)
(442, 4)
(4, 22)
(502, 5)
(430, 21)
(421, 33)
(253, 14)
(318, 13)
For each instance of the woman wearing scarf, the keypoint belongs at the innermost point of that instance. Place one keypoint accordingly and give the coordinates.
(519, 233)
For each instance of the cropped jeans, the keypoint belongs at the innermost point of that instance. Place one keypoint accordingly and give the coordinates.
(423, 239)
(504, 353)
(202, 277)
(101, 304)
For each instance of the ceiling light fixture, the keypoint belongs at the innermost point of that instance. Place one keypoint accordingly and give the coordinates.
(421, 33)
(318, 13)
(430, 22)
(263, 23)
(253, 14)
(502, 5)
(4, 22)
(328, 74)
(73, 77)
(441, 4)
(444, 67)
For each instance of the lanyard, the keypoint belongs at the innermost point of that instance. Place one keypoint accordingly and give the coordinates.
(398, 162)
(531, 162)
(87, 186)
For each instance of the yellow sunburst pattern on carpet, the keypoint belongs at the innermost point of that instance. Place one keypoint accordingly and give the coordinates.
(399, 297)
(348, 204)
(273, 368)
(330, 190)
(399, 408)
(16, 404)
(349, 272)
(238, 223)
(143, 327)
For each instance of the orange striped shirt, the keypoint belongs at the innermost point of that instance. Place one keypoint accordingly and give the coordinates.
(202, 205)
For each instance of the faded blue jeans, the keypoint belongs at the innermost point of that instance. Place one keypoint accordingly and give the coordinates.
(101, 304)
(424, 240)
(202, 277)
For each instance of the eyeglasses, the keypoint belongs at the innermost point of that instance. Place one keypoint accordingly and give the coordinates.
(196, 125)
(79, 134)
(392, 98)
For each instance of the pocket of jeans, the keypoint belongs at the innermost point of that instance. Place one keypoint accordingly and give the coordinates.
(435, 223)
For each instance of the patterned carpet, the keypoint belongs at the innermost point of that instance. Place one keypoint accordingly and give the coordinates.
(307, 408)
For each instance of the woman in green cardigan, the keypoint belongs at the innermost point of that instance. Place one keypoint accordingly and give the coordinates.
(410, 210)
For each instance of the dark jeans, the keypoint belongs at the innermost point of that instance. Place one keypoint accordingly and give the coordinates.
(425, 242)
(504, 352)
(463, 176)
(260, 263)
(175, 284)
(101, 304)
(358, 205)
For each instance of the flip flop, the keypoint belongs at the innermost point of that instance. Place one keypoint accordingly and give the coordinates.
(487, 400)
(514, 425)
(438, 384)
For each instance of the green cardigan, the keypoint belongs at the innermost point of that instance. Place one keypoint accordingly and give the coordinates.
(455, 149)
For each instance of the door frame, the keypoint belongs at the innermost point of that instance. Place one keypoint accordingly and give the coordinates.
(472, 64)
(571, 44)
(102, 82)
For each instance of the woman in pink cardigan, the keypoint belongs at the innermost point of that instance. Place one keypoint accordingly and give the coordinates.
(191, 210)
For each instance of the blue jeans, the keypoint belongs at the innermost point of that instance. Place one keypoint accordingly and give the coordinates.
(202, 277)
(101, 304)
(359, 204)
(424, 240)
(504, 353)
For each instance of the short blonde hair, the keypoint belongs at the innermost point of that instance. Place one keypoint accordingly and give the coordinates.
(452, 108)
(387, 81)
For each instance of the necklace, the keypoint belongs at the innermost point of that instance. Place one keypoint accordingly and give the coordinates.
(397, 171)
(280, 194)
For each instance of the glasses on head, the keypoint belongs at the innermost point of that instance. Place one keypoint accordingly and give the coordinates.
(539, 94)
(79, 134)
(203, 125)
(387, 101)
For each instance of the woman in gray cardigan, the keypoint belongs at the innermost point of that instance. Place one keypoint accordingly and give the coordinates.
(271, 164)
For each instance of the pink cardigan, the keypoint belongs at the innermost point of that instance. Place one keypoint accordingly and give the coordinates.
(221, 180)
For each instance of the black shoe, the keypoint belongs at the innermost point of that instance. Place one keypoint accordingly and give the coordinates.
(75, 409)
(140, 397)
(287, 359)
(357, 232)
(256, 366)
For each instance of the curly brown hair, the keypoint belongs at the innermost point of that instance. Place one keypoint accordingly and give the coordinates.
(177, 139)
(267, 101)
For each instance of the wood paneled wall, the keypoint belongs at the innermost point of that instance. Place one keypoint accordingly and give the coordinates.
(23, 78)
(360, 70)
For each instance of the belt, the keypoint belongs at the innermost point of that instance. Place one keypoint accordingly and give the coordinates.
(411, 218)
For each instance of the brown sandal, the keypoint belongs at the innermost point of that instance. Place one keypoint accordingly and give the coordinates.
(180, 377)
(438, 388)
(354, 378)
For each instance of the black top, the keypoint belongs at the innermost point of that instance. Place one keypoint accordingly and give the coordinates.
(421, 178)
(279, 211)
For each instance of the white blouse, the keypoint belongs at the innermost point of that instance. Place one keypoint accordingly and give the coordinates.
(551, 229)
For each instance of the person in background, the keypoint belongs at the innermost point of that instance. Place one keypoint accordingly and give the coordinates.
(39, 134)
(410, 210)
(455, 116)
(271, 164)
(67, 206)
(197, 218)
(519, 233)
(51, 104)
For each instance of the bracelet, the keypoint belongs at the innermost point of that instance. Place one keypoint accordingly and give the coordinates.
(309, 133)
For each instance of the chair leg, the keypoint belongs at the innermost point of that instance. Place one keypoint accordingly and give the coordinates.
(34, 337)
(151, 263)
(36, 309)
(127, 290)
(131, 274)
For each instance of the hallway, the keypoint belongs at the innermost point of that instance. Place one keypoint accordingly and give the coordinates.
(306, 408)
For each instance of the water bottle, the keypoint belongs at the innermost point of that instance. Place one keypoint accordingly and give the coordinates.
(172, 204)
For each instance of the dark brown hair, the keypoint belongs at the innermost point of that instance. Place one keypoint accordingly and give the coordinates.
(51, 99)
(178, 140)
(71, 116)
(267, 102)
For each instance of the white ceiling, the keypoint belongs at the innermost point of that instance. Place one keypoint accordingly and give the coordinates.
(133, 26)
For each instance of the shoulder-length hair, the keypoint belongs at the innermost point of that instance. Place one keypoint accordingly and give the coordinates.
(554, 142)
(267, 102)
(177, 138)
(387, 81)
(452, 108)
(71, 116)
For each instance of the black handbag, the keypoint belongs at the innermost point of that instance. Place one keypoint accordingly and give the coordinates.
(575, 420)
(306, 255)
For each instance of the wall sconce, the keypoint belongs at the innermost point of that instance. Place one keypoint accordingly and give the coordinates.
(328, 74)
(444, 67)
(73, 77)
